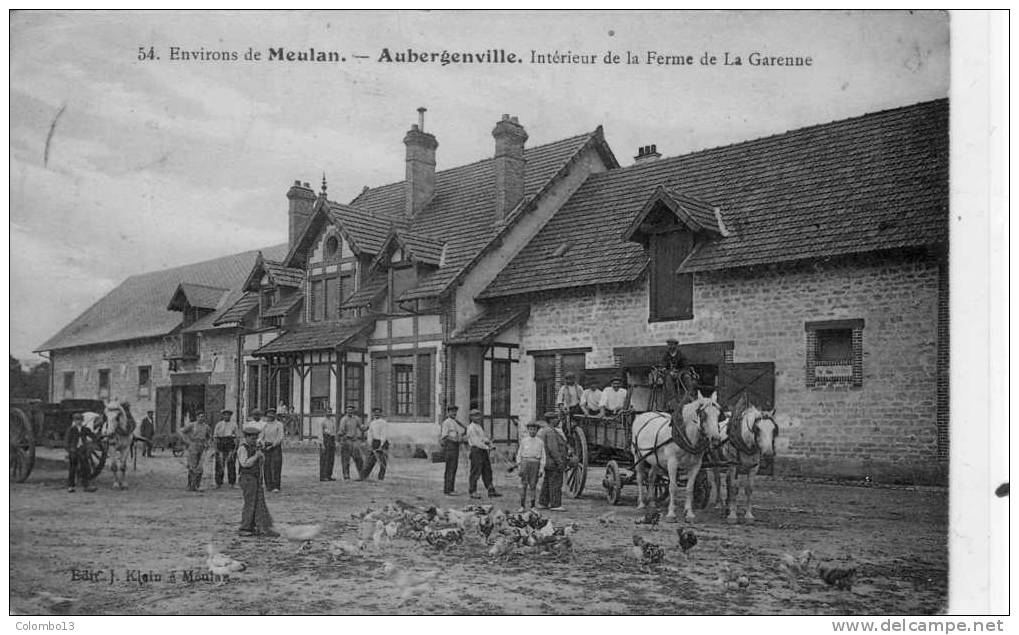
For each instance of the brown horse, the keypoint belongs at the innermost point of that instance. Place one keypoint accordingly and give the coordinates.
(750, 437)
(673, 442)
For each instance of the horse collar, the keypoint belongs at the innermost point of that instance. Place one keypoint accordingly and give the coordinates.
(736, 438)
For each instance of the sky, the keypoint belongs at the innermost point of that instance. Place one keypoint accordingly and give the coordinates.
(120, 166)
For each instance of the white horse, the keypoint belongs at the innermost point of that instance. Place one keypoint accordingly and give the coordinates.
(750, 437)
(660, 441)
(119, 431)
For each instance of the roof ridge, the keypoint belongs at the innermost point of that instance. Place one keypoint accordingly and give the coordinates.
(475, 163)
(648, 165)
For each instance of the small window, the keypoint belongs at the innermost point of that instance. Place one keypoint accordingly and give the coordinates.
(144, 381)
(320, 376)
(332, 246)
(834, 353)
(403, 378)
(69, 385)
(104, 383)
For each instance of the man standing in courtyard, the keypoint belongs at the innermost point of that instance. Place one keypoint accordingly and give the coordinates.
(147, 432)
(352, 439)
(327, 453)
(272, 443)
(481, 463)
(198, 435)
(451, 434)
(378, 446)
(225, 436)
(78, 442)
(556, 456)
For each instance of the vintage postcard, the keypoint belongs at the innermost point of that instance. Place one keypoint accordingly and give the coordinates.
(522, 313)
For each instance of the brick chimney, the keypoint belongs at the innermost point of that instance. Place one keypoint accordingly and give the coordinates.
(420, 184)
(302, 202)
(509, 166)
(646, 154)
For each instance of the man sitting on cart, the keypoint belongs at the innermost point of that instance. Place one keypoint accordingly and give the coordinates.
(676, 367)
(568, 399)
(613, 398)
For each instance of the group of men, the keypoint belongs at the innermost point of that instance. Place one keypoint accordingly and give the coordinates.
(591, 401)
(363, 443)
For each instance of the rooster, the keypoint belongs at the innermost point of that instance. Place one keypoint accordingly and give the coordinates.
(687, 538)
(301, 534)
(838, 574)
(221, 565)
(408, 584)
(646, 553)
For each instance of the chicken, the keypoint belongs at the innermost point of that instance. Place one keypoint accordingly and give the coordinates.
(566, 530)
(801, 563)
(301, 534)
(650, 518)
(501, 547)
(687, 538)
(379, 536)
(728, 577)
(650, 553)
(456, 517)
(443, 539)
(485, 526)
(366, 530)
(344, 548)
(838, 574)
(222, 565)
(546, 531)
(408, 584)
(743, 582)
(392, 528)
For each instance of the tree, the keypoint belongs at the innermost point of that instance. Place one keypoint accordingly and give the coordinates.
(34, 384)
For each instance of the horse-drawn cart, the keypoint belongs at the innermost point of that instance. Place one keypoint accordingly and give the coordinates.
(33, 423)
(607, 441)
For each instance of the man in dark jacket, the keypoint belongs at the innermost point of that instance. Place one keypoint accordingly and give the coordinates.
(557, 452)
(78, 442)
(146, 432)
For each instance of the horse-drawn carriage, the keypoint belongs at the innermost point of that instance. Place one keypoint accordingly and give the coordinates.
(34, 423)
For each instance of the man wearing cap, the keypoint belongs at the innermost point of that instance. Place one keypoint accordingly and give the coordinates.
(557, 452)
(256, 419)
(451, 434)
(569, 395)
(352, 439)
(198, 435)
(327, 453)
(272, 443)
(481, 463)
(255, 517)
(613, 398)
(675, 365)
(379, 446)
(225, 437)
(531, 463)
(146, 432)
(78, 442)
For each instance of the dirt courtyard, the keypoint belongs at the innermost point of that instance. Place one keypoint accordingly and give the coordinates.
(151, 535)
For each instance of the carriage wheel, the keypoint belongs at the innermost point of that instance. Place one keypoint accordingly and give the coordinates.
(576, 471)
(661, 488)
(177, 447)
(701, 490)
(97, 457)
(22, 453)
(612, 483)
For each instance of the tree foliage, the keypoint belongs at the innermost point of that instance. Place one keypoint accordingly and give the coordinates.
(33, 383)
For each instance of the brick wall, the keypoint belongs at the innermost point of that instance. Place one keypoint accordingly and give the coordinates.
(885, 428)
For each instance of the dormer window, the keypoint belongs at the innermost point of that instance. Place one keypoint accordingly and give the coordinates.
(671, 294)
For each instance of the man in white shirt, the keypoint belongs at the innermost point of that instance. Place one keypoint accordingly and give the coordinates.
(569, 395)
(378, 446)
(590, 399)
(272, 445)
(481, 464)
(225, 437)
(451, 434)
(613, 398)
(531, 463)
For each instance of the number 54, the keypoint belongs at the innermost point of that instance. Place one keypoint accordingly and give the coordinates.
(149, 54)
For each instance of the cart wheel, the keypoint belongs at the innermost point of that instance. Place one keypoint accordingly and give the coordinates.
(177, 448)
(661, 490)
(97, 457)
(612, 483)
(22, 453)
(701, 490)
(576, 472)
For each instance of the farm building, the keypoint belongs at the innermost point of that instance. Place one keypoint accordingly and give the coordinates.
(807, 270)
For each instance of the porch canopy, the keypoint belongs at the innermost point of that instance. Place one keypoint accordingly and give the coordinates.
(487, 326)
(315, 336)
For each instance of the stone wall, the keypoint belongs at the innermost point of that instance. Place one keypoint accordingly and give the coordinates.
(886, 428)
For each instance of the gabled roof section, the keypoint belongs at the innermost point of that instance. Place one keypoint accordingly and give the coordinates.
(416, 247)
(240, 309)
(198, 296)
(136, 308)
(285, 307)
(697, 215)
(461, 210)
(875, 182)
(494, 320)
(279, 275)
(368, 292)
(364, 231)
(316, 336)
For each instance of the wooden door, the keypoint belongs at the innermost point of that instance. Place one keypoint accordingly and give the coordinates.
(755, 379)
(164, 410)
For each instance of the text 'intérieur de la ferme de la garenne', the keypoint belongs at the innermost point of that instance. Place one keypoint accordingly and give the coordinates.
(483, 57)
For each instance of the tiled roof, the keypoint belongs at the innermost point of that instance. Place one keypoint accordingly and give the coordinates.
(423, 248)
(367, 231)
(460, 213)
(371, 288)
(240, 309)
(285, 307)
(702, 212)
(874, 182)
(137, 307)
(285, 276)
(199, 296)
(490, 323)
(316, 336)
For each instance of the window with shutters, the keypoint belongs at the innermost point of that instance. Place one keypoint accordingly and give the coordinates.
(104, 383)
(403, 384)
(320, 376)
(671, 294)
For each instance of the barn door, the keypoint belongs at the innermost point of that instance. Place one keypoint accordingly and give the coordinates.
(215, 402)
(756, 380)
(164, 410)
(544, 385)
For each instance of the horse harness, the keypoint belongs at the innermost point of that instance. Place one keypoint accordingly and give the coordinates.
(678, 436)
(734, 437)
